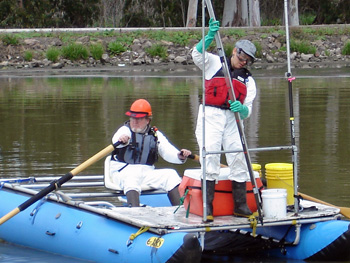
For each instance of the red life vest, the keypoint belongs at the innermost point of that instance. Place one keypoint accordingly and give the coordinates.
(217, 95)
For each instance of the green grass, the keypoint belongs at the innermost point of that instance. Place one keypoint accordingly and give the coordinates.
(302, 46)
(346, 48)
(96, 51)
(157, 50)
(53, 54)
(28, 55)
(307, 19)
(10, 39)
(116, 48)
(75, 52)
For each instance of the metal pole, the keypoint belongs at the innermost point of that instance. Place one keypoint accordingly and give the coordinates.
(204, 186)
(290, 78)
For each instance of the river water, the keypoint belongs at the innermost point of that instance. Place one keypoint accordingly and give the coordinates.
(49, 124)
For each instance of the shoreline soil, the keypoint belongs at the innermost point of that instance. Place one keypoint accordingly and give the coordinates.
(328, 54)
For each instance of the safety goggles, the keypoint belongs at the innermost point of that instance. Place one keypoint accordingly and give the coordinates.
(243, 57)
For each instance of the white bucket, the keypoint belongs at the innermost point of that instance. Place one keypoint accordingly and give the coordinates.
(274, 203)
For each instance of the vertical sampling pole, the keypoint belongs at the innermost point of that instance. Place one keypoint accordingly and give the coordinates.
(204, 170)
(227, 75)
(290, 78)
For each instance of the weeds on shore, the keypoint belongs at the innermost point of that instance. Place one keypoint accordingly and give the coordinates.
(346, 49)
(10, 40)
(75, 52)
(28, 55)
(302, 47)
(301, 40)
(115, 48)
(157, 50)
(53, 54)
(96, 51)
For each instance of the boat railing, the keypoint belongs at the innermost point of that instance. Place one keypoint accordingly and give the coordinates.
(294, 150)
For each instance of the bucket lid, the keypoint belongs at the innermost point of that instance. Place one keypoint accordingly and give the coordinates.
(256, 166)
(274, 191)
(279, 166)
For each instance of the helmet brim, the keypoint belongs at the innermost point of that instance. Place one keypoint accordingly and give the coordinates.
(136, 114)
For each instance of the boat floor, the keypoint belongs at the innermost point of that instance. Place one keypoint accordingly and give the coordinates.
(171, 218)
(166, 219)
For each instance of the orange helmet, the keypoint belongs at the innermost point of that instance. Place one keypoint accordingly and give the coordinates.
(140, 109)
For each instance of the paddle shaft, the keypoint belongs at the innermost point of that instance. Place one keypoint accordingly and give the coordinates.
(58, 183)
(345, 211)
(227, 75)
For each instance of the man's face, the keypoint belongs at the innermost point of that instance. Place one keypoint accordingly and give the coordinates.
(240, 59)
(139, 125)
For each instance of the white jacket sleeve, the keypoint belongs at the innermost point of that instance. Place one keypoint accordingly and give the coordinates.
(166, 150)
(251, 93)
(121, 131)
(212, 62)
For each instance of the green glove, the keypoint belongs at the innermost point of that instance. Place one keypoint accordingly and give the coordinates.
(237, 106)
(213, 28)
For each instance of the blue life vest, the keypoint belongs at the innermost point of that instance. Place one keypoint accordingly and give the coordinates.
(142, 148)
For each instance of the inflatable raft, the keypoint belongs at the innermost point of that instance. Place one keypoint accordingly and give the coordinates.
(86, 220)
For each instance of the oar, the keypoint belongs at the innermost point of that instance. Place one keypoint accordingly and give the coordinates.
(345, 211)
(57, 183)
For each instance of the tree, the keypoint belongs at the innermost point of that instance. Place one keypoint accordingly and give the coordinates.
(254, 13)
(235, 13)
(293, 13)
(192, 13)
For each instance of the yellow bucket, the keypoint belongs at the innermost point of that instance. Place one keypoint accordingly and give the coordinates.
(257, 167)
(280, 175)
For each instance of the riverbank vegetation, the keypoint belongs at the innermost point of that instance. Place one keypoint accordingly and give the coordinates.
(155, 13)
(118, 42)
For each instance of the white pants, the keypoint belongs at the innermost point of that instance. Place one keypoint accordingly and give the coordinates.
(221, 131)
(140, 177)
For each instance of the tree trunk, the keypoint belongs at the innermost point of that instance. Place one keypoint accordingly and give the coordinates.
(254, 13)
(20, 3)
(293, 13)
(235, 13)
(192, 13)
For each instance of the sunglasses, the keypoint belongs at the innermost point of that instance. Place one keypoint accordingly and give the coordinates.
(243, 57)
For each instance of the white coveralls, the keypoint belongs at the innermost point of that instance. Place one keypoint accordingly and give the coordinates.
(221, 127)
(137, 176)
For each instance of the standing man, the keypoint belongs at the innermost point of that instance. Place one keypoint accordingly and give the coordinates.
(220, 123)
(132, 163)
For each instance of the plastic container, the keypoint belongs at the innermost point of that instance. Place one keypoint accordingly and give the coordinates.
(223, 200)
(274, 202)
(257, 167)
(280, 175)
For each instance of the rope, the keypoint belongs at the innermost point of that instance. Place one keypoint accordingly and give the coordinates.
(253, 222)
(139, 232)
(188, 208)
(182, 199)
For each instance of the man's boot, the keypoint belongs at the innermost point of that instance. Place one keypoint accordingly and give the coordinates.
(133, 198)
(240, 199)
(210, 199)
(174, 196)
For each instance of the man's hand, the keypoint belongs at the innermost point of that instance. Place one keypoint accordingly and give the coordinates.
(124, 138)
(184, 153)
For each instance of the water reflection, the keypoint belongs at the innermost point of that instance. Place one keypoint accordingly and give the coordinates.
(49, 125)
